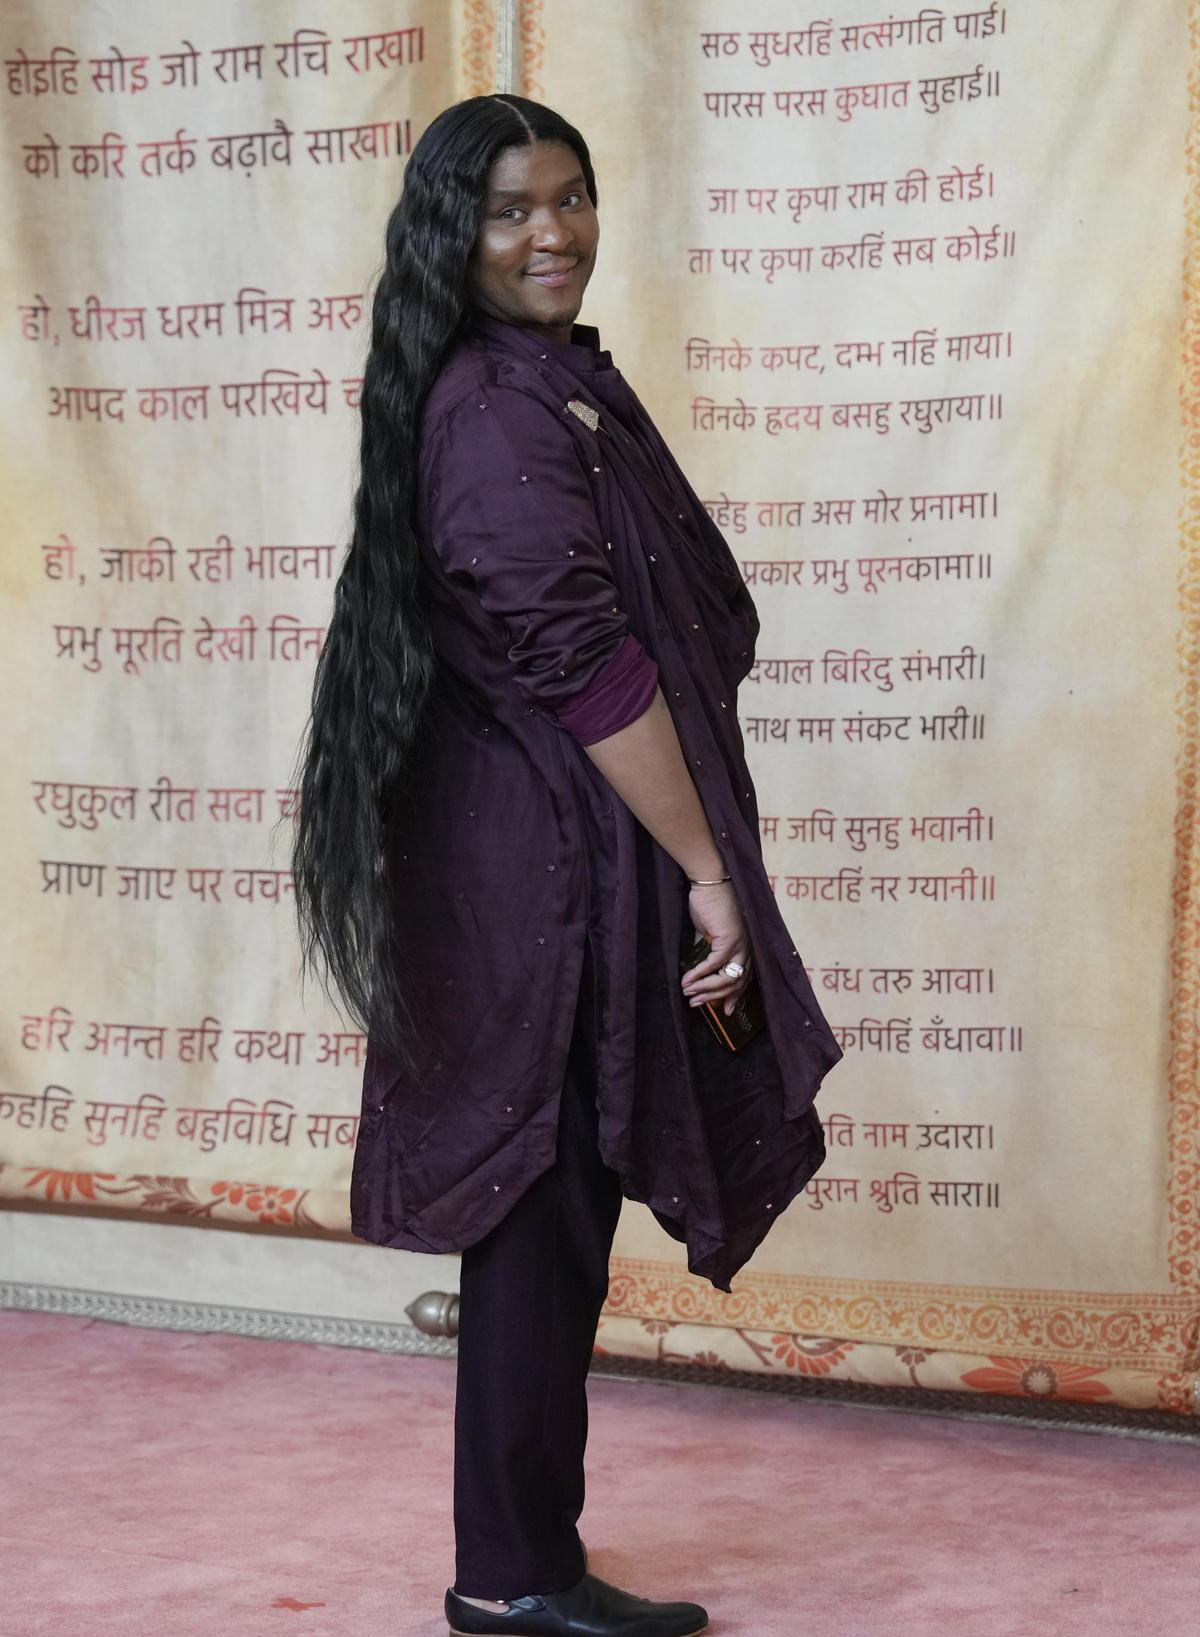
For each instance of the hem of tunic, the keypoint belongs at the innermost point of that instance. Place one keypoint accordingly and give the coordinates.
(707, 1258)
(717, 1266)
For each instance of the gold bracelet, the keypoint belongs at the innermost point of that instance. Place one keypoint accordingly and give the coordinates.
(715, 883)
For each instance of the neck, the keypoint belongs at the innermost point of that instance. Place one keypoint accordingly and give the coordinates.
(555, 332)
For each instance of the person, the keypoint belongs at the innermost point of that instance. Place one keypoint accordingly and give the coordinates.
(523, 796)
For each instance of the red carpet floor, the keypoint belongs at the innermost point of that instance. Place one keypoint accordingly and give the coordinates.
(156, 1482)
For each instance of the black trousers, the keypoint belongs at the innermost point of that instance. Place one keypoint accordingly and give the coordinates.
(530, 1296)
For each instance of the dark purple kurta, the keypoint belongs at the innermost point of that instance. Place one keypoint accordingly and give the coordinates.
(567, 572)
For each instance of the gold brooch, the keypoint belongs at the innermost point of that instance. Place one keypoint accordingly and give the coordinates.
(586, 413)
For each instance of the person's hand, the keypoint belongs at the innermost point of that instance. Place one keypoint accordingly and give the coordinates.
(715, 912)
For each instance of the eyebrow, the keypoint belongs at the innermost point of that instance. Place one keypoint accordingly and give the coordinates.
(521, 193)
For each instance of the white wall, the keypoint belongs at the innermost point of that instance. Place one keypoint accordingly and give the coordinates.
(179, 1262)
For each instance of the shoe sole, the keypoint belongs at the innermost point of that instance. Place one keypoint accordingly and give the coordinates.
(454, 1631)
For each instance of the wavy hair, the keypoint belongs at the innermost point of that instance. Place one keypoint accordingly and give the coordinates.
(377, 665)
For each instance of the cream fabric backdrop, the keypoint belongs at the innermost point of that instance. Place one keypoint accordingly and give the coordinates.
(908, 304)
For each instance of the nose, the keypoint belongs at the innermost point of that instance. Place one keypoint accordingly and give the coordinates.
(552, 233)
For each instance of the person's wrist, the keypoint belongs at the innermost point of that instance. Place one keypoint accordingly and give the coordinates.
(711, 871)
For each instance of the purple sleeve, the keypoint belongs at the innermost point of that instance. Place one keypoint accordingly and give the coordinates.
(512, 517)
(617, 695)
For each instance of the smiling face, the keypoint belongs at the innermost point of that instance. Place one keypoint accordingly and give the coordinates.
(537, 245)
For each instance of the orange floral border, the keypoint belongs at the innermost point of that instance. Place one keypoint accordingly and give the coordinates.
(899, 1365)
(477, 56)
(1183, 1194)
(533, 49)
(1128, 1331)
(234, 1203)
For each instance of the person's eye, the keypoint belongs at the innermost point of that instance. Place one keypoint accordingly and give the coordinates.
(508, 209)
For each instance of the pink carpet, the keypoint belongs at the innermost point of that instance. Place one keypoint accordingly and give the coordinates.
(156, 1482)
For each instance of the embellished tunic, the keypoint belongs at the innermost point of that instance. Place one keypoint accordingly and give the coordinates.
(567, 572)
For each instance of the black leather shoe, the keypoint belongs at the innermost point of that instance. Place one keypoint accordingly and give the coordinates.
(589, 1608)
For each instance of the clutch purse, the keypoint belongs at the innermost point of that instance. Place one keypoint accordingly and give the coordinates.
(747, 1017)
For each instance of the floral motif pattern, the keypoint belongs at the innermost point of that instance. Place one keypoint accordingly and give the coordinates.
(226, 1201)
(1037, 1378)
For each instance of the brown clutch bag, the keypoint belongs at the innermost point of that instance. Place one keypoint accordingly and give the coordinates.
(747, 1017)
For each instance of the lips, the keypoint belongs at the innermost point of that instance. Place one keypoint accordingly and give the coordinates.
(553, 278)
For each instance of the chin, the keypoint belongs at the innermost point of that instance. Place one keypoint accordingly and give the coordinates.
(562, 306)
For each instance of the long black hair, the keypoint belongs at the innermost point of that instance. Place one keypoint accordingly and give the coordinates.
(377, 666)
